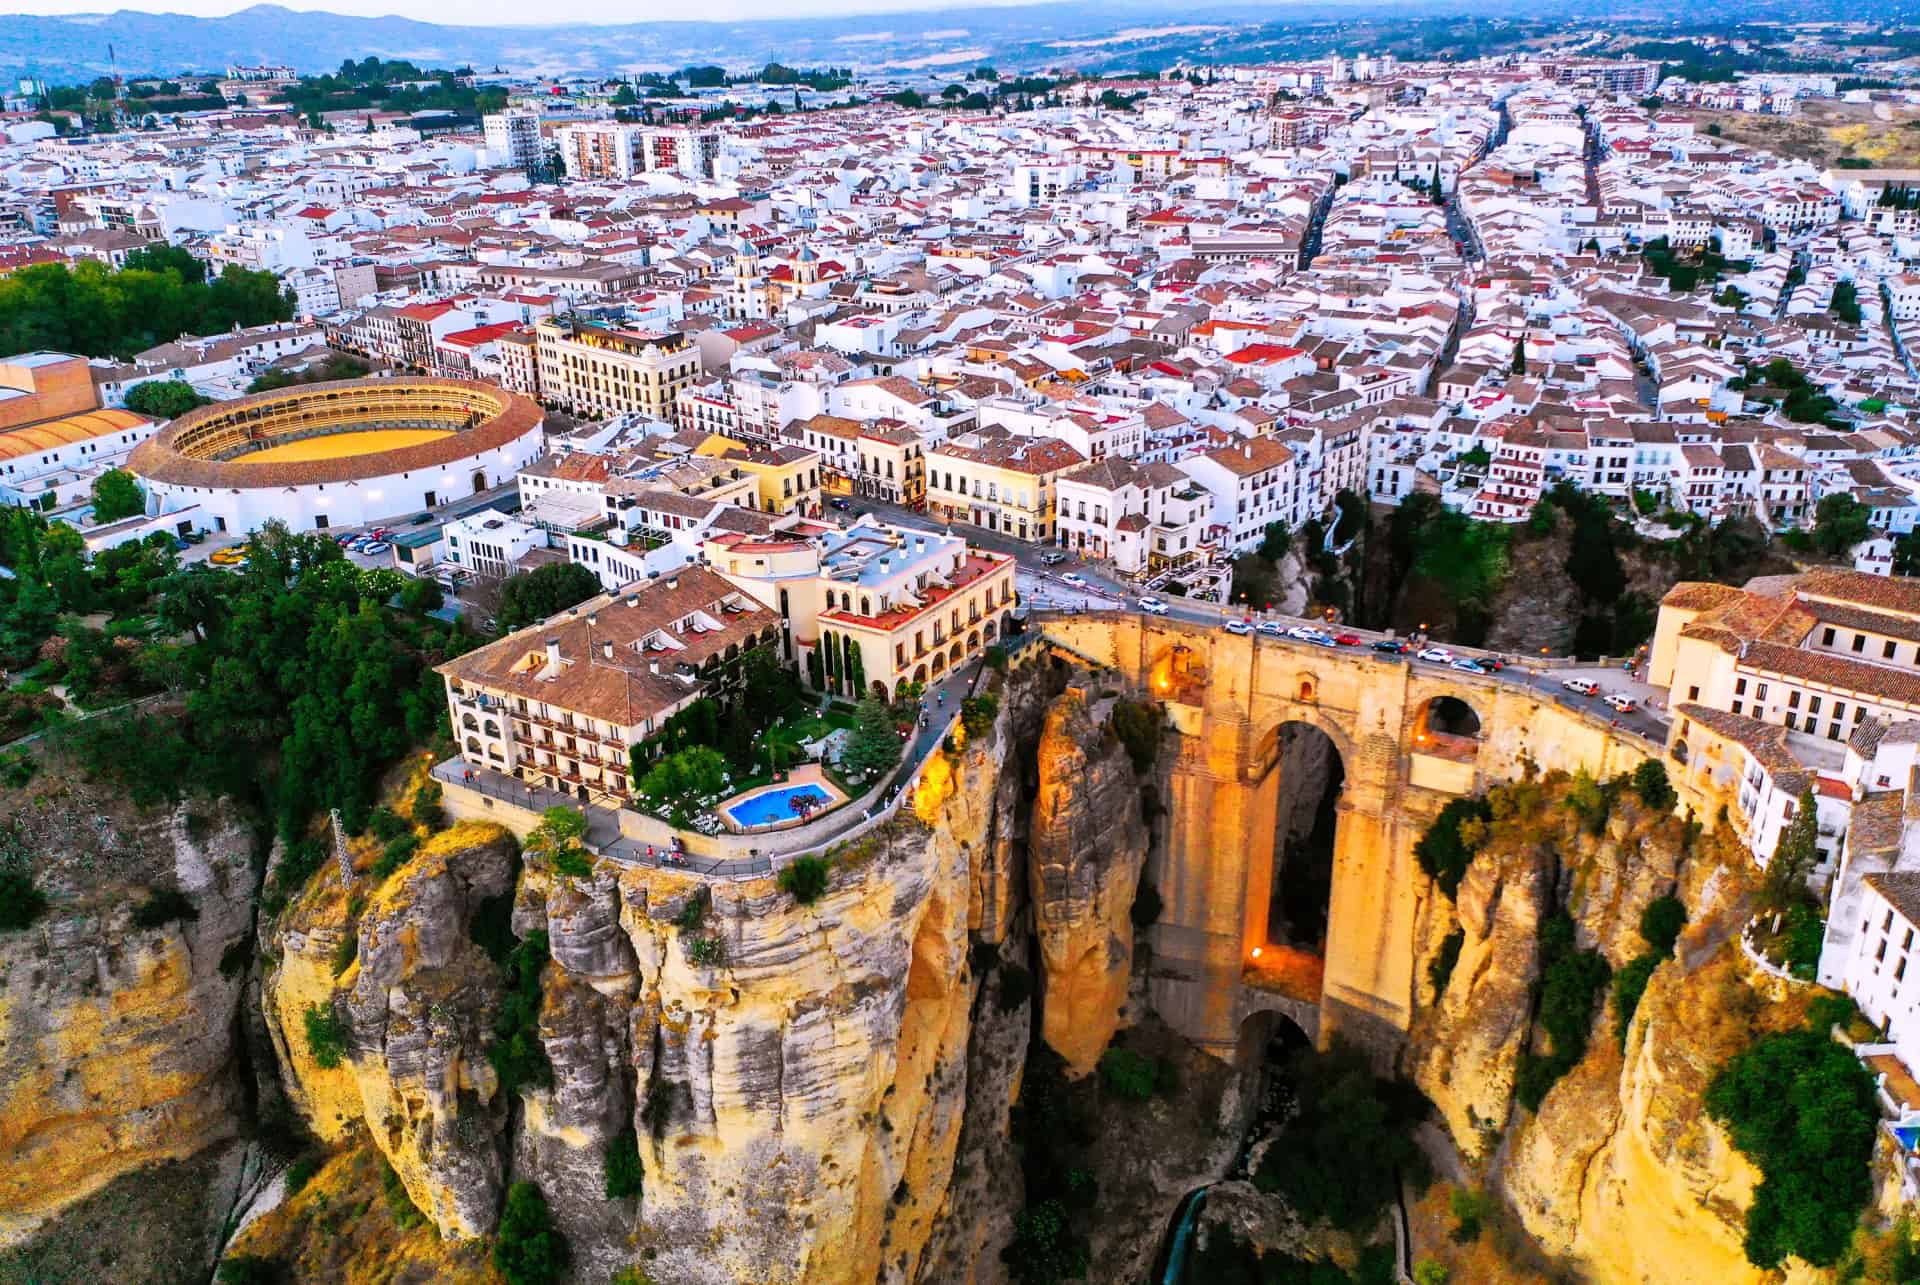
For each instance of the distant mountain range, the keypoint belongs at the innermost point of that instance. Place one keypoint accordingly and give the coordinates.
(1108, 35)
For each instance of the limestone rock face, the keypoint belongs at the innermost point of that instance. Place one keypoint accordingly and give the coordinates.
(116, 1041)
(1087, 847)
(1467, 1046)
(419, 1000)
(1622, 1170)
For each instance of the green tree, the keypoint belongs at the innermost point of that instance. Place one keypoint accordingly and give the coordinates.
(529, 1249)
(327, 1035)
(422, 595)
(1784, 883)
(528, 597)
(163, 398)
(681, 782)
(1801, 1107)
(625, 1177)
(116, 495)
(805, 878)
(874, 745)
(1446, 849)
(1839, 523)
(158, 256)
(1651, 784)
(1518, 366)
(1846, 303)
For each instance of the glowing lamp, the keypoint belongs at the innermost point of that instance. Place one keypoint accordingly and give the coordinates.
(1256, 951)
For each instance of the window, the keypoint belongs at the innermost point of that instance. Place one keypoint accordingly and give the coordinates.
(1760, 693)
(1739, 687)
(1790, 723)
(1826, 638)
(1859, 642)
(1888, 648)
(1693, 692)
(1793, 700)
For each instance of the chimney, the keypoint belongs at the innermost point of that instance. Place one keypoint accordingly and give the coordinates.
(606, 648)
(593, 617)
(1248, 448)
(653, 666)
(553, 654)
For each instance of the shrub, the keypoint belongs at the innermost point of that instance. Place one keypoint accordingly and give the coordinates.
(1129, 1074)
(1651, 784)
(977, 714)
(1570, 979)
(396, 854)
(301, 1171)
(326, 1036)
(1661, 922)
(21, 901)
(1138, 724)
(1629, 984)
(1440, 970)
(623, 1172)
(706, 951)
(515, 1051)
(299, 863)
(1801, 1107)
(995, 657)
(1342, 1152)
(529, 1249)
(427, 809)
(386, 824)
(1806, 931)
(1442, 851)
(573, 863)
(694, 913)
(250, 1269)
(163, 906)
(1431, 1271)
(1470, 1208)
(1824, 1012)
(346, 951)
(400, 1205)
(805, 879)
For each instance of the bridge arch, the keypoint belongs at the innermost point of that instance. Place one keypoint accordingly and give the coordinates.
(1448, 715)
(1299, 771)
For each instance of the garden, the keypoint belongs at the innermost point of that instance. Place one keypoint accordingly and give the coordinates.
(758, 734)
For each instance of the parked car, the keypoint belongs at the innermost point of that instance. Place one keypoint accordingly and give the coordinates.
(1239, 627)
(844, 506)
(1347, 640)
(1469, 665)
(1393, 646)
(1075, 579)
(1438, 655)
(1052, 559)
(345, 538)
(1271, 628)
(1620, 704)
(1304, 633)
(376, 548)
(1581, 686)
(1153, 606)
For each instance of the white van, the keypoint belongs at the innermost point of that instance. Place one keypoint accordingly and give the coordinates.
(1581, 686)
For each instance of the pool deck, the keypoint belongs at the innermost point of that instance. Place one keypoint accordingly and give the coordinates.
(803, 775)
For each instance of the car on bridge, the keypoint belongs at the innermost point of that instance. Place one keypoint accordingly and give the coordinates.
(1581, 686)
(1469, 665)
(1075, 579)
(1153, 606)
(1237, 626)
(1393, 646)
(1346, 640)
(1620, 704)
(1436, 655)
(1271, 628)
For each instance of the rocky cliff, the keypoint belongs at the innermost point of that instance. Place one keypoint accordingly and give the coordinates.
(1620, 1172)
(1086, 851)
(117, 1020)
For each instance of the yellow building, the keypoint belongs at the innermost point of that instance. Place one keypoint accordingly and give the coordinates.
(605, 370)
(998, 481)
(788, 476)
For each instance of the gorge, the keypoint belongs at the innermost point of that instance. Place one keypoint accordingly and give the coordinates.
(1024, 1020)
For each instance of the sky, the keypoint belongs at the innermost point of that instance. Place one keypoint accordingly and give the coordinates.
(484, 12)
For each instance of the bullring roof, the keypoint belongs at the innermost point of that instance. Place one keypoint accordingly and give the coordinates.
(161, 459)
(35, 438)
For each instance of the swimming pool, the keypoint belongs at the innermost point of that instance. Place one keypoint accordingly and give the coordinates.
(775, 805)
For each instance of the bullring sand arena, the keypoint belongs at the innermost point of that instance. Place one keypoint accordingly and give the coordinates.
(342, 445)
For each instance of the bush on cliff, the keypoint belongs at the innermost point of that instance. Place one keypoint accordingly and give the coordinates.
(326, 1036)
(21, 902)
(515, 1052)
(622, 1165)
(1570, 979)
(1443, 851)
(1660, 925)
(804, 879)
(1340, 1156)
(529, 1249)
(1801, 1107)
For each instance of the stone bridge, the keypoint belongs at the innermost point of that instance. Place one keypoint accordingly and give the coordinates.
(1409, 737)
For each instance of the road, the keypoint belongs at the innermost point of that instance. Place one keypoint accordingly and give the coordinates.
(1044, 588)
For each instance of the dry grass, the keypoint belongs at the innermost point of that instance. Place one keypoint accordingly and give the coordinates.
(149, 1227)
(1822, 132)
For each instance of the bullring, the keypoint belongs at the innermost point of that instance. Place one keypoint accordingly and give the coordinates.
(338, 454)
